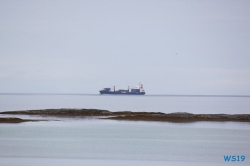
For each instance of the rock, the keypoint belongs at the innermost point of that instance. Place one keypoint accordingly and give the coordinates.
(17, 120)
(128, 115)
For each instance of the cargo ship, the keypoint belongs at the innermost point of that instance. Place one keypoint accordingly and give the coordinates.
(132, 90)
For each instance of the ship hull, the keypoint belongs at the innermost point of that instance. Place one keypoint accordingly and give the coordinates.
(120, 93)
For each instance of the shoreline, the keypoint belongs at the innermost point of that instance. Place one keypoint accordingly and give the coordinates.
(125, 115)
(17, 120)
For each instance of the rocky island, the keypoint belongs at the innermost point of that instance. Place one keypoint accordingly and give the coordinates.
(128, 115)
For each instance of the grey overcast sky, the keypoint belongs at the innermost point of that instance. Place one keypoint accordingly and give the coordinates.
(80, 46)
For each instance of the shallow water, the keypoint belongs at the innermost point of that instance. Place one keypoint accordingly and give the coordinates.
(94, 142)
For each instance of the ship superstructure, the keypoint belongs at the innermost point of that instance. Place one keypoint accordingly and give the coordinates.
(132, 90)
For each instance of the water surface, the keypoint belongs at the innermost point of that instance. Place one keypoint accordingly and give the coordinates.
(89, 141)
(150, 103)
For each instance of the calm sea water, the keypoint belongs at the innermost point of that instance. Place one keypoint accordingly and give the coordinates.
(88, 141)
(152, 103)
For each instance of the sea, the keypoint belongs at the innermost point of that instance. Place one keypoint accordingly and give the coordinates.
(91, 141)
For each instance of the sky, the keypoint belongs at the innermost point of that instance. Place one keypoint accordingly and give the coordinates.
(173, 47)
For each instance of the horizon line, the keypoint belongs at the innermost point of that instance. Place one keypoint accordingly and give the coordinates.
(197, 95)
